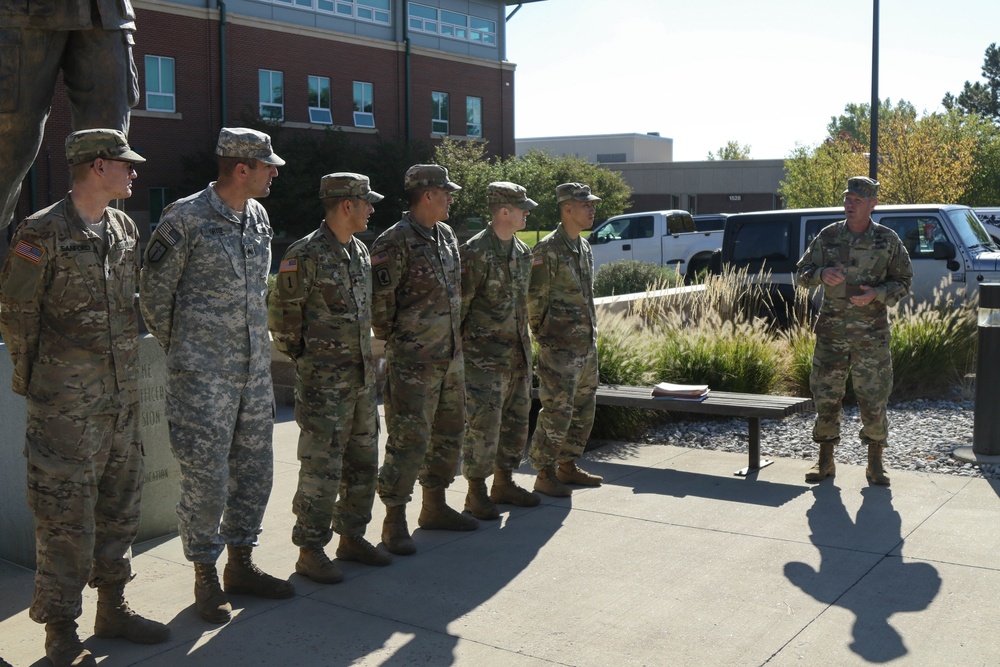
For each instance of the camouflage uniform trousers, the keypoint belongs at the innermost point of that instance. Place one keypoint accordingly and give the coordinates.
(425, 424)
(497, 408)
(338, 453)
(567, 388)
(101, 81)
(870, 365)
(221, 429)
(84, 485)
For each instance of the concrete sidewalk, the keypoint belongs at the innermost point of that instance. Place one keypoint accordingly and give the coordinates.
(674, 561)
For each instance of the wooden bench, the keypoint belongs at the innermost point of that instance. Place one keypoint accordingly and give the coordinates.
(753, 407)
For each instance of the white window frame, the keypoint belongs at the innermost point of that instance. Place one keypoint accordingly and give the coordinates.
(271, 102)
(440, 103)
(462, 27)
(364, 118)
(473, 128)
(170, 96)
(378, 12)
(318, 113)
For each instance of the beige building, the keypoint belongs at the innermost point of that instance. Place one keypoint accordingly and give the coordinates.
(646, 163)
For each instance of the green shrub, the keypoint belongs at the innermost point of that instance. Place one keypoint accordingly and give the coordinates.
(623, 358)
(630, 276)
(933, 347)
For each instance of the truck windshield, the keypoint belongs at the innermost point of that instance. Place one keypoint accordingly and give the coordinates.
(970, 230)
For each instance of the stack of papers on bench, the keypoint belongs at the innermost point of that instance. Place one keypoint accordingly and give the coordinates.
(681, 392)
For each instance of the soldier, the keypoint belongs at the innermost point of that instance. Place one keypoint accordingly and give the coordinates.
(91, 43)
(202, 294)
(496, 268)
(68, 318)
(416, 310)
(863, 268)
(320, 316)
(563, 320)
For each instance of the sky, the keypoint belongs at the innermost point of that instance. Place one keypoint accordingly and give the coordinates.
(768, 73)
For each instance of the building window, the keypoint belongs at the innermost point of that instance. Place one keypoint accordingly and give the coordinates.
(272, 94)
(439, 113)
(160, 84)
(453, 25)
(474, 116)
(372, 11)
(363, 114)
(319, 100)
(158, 200)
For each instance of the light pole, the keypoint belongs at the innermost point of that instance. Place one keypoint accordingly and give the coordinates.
(873, 150)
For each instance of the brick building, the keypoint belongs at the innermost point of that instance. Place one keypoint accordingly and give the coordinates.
(391, 69)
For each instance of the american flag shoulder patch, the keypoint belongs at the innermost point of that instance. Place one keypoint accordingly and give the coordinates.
(380, 258)
(288, 265)
(537, 260)
(28, 251)
(169, 234)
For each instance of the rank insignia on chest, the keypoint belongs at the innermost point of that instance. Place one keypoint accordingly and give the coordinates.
(288, 265)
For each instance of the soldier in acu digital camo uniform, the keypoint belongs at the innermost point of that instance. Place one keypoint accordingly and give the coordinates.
(67, 316)
(416, 310)
(564, 322)
(320, 316)
(863, 268)
(496, 269)
(202, 294)
(90, 43)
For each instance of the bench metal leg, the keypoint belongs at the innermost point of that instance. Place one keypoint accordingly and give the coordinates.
(753, 447)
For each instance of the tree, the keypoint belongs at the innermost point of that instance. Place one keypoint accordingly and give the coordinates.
(538, 171)
(731, 151)
(921, 159)
(980, 98)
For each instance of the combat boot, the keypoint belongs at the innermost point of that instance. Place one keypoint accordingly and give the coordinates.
(825, 466)
(315, 564)
(243, 577)
(63, 647)
(478, 503)
(504, 490)
(570, 473)
(395, 534)
(436, 515)
(548, 483)
(115, 619)
(209, 600)
(875, 472)
(356, 547)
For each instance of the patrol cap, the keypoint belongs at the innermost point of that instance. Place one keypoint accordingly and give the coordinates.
(347, 184)
(88, 145)
(242, 142)
(577, 191)
(505, 192)
(421, 175)
(862, 186)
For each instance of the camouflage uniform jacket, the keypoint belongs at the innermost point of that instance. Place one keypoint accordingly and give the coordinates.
(877, 258)
(203, 285)
(495, 301)
(417, 302)
(67, 15)
(561, 297)
(67, 312)
(320, 311)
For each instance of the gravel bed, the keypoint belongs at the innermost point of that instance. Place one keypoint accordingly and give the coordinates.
(922, 436)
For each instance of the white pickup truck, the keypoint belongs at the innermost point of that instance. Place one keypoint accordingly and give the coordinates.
(667, 238)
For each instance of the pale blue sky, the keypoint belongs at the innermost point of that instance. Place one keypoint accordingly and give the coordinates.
(768, 73)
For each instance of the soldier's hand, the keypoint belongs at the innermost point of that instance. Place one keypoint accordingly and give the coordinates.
(866, 297)
(832, 276)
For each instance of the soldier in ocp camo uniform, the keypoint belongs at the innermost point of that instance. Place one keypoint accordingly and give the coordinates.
(496, 344)
(202, 294)
(863, 268)
(564, 322)
(416, 310)
(320, 316)
(67, 316)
